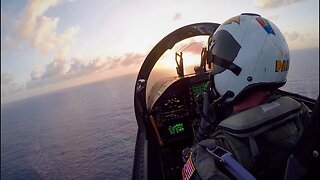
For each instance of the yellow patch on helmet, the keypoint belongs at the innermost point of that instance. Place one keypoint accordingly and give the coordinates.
(282, 65)
(235, 19)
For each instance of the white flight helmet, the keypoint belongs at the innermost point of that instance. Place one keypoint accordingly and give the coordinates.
(247, 52)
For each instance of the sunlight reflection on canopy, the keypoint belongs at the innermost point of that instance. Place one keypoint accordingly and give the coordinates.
(165, 68)
(191, 49)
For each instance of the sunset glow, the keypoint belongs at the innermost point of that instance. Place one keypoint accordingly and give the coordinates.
(54, 44)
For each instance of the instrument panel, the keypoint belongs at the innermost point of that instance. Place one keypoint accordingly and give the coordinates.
(175, 112)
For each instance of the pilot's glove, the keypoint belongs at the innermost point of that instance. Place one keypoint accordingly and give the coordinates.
(201, 164)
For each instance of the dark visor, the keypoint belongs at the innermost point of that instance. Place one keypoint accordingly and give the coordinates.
(223, 52)
(225, 64)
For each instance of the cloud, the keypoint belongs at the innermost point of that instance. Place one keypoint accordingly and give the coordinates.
(76, 66)
(57, 70)
(270, 4)
(131, 58)
(293, 36)
(177, 16)
(54, 72)
(36, 73)
(34, 9)
(95, 65)
(40, 31)
(6, 78)
(45, 37)
(8, 84)
(99, 64)
(57, 75)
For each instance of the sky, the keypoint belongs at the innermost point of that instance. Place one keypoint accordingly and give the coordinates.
(54, 44)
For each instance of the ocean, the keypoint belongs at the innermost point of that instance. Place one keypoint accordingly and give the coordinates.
(89, 131)
(85, 132)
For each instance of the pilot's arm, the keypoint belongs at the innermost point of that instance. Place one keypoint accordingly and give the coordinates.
(201, 164)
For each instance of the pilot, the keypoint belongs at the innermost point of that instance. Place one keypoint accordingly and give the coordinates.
(259, 129)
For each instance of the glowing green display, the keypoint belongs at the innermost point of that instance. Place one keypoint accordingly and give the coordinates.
(198, 89)
(176, 129)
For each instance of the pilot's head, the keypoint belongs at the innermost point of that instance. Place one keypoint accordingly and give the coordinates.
(247, 52)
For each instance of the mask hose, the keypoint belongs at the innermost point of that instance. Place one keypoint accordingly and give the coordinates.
(204, 126)
(207, 122)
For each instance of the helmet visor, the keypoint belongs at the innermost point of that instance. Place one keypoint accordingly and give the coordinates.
(223, 49)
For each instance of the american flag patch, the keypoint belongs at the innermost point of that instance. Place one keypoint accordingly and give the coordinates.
(188, 169)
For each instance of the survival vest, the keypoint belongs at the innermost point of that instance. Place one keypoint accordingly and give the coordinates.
(263, 137)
